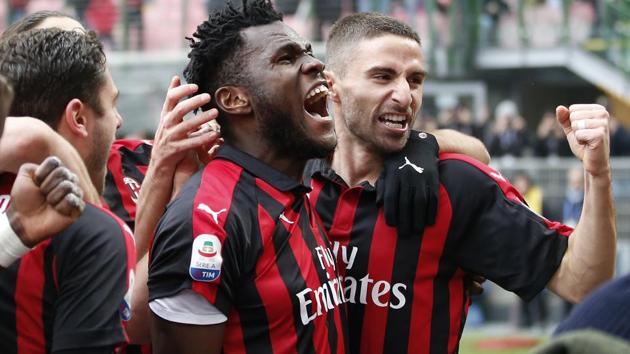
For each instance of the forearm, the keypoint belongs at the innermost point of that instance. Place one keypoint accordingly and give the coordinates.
(155, 193)
(590, 257)
(453, 141)
(138, 328)
(31, 140)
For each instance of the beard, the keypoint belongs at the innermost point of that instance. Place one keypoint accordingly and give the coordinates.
(285, 135)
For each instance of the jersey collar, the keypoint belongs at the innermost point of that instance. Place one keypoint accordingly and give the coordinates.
(275, 178)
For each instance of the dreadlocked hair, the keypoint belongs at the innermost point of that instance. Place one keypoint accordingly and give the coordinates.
(215, 57)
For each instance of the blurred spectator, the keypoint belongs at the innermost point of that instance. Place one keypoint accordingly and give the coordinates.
(574, 196)
(101, 15)
(509, 134)
(80, 8)
(326, 13)
(619, 138)
(135, 23)
(550, 139)
(214, 5)
(493, 10)
(536, 311)
(465, 123)
(17, 9)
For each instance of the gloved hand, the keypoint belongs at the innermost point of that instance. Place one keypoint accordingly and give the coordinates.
(409, 184)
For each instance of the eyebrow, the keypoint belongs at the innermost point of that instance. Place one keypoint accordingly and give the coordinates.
(390, 71)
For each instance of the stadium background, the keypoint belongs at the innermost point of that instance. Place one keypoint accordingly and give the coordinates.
(496, 67)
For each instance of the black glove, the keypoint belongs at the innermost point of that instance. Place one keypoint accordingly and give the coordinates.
(409, 184)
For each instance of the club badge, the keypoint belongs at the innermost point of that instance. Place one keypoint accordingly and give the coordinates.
(206, 260)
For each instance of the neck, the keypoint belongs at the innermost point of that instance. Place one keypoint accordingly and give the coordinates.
(260, 149)
(353, 160)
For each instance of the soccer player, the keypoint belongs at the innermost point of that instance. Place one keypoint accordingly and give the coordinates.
(45, 199)
(240, 261)
(406, 294)
(70, 293)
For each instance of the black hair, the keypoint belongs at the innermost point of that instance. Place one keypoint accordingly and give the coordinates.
(48, 68)
(31, 21)
(354, 28)
(216, 56)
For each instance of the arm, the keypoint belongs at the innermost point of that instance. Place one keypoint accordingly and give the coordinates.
(31, 140)
(453, 141)
(173, 142)
(171, 337)
(590, 257)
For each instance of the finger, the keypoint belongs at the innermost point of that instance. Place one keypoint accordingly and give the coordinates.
(563, 118)
(46, 168)
(176, 116)
(581, 124)
(57, 176)
(71, 205)
(585, 107)
(590, 114)
(59, 192)
(176, 91)
(591, 137)
(196, 142)
(196, 125)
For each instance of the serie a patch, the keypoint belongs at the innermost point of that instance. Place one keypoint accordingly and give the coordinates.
(206, 260)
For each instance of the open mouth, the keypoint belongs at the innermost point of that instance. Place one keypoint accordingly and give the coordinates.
(394, 121)
(315, 102)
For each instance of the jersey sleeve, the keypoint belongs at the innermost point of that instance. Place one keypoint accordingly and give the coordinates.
(198, 245)
(497, 235)
(94, 274)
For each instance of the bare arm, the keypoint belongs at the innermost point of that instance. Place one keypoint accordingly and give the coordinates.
(590, 257)
(31, 140)
(170, 337)
(451, 140)
(169, 166)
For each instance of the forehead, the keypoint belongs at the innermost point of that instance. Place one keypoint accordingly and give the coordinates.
(271, 36)
(389, 50)
(64, 23)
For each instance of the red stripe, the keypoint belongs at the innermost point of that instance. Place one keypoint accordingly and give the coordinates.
(431, 250)
(343, 221)
(233, 341)
(29, 293)
(216, 190)
(380, 268)
(308, 269)
(114, 165)
(456, 308)
(272, 290)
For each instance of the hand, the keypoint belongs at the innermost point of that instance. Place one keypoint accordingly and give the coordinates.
(45, 199)
(409, 185)
(175, 137)
(586, 128)
(474, 284)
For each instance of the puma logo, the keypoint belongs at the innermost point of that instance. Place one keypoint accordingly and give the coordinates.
(214, 214)
(408, 163)
(285, 219)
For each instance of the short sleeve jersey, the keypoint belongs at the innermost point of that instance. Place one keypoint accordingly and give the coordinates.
(126, 167)
(70, 292)
(244, 236)
(407, 294)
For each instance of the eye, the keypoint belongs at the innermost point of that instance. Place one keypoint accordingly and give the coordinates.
(285, 59)
(382, 77)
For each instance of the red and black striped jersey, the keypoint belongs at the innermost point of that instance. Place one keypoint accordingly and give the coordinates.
(407, 294)
(126, 167)
(70, 292)
(245, 237)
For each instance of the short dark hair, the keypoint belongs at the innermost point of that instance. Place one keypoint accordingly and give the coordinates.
(49, 67)
(354, 28)
(6, 96)
(31, 21)
(216, 57)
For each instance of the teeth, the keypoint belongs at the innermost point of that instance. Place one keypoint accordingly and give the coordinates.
(394, 118)
(319, 90)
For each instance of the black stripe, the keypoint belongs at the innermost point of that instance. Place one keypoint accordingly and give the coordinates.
(310, 240)
(49, 297)
(8, 331)
(140, 156)
(114, 199)
(406, 258)
(361, 237)
(326, 204)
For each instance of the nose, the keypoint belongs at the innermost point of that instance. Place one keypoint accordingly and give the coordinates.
(312, 65)
(402, 93)
(119, 121)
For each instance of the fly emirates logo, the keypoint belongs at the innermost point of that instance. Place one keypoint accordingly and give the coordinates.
(347, 289)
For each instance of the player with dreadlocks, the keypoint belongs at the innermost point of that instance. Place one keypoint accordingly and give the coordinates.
(240, 261)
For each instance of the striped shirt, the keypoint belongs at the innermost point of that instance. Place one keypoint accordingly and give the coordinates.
(245, 237)
(70, 292)
(407, 294)
(127, 164)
